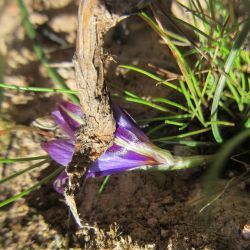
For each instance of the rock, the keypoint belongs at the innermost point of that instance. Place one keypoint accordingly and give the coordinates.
(168, 200)
(164, 233)
(152, 222)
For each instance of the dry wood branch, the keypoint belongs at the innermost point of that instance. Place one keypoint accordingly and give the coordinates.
(97, 134)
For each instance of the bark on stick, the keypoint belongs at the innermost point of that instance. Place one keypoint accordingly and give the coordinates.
(95, 18)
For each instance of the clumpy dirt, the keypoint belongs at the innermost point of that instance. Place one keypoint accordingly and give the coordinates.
(159, 210)
(136, 210)
(146, 211)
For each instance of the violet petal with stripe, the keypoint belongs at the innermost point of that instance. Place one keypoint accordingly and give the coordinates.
(132, 149)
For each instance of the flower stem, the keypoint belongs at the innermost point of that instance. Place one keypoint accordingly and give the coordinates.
(181, 163)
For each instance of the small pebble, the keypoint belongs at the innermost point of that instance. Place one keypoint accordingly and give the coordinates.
(152, 222)
(242, 185)
(164, 233)
(246, 232)
(168, 200)
(143, 201)
(150, 246)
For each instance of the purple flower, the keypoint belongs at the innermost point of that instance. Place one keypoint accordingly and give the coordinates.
(131, 150)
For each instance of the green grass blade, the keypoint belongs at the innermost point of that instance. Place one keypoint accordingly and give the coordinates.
(200, 32)
(222, 80)
(128, 93)
(143, 72)
(222, 123)
(155, 129)
(14, 160)
(152, 76)
(171, 103)
(188, 74)
(224, 153)
(206, 19)
(104, 183)
(189, 143)
(1, 78)
(247, 123)
(163, 118)
(147, 103)
(196, 132)
(8, 178)
(175, 123)
(34, 187)
(37, 89)
(211, 8)
(183, 41)
(188, 98)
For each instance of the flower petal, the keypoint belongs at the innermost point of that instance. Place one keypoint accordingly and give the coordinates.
(127, 135)
(73, 108)
(72, 114)
(60, 150)
(124, 120)
(121, 156)
(60, 182)
(62, 123)
(131, 149)
(117, 159)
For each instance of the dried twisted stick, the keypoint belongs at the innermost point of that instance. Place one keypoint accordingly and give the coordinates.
(95, 18)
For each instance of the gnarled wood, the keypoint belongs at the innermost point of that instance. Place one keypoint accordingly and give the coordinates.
(96, 134)
(95, 18)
